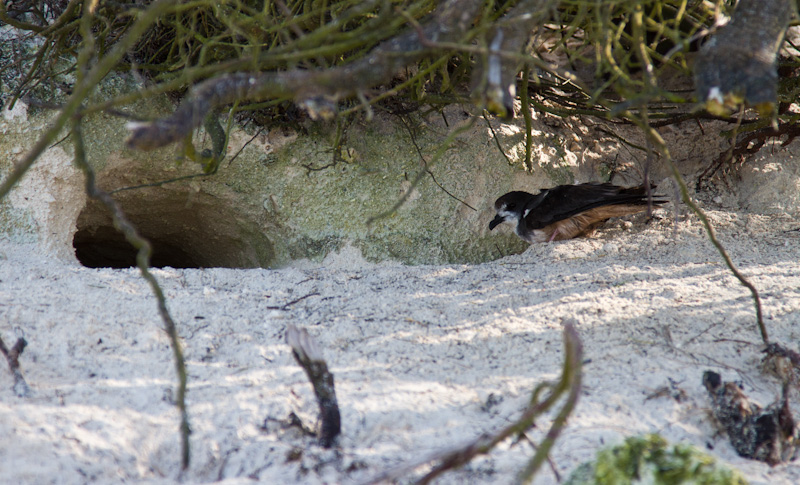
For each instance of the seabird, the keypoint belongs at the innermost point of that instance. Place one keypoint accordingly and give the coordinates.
(568, 211)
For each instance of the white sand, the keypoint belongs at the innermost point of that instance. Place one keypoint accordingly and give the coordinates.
(417, 353)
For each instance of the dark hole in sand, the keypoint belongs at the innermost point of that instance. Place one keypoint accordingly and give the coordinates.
(185, 229)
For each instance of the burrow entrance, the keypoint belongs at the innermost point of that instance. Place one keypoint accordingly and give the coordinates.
(186, 229)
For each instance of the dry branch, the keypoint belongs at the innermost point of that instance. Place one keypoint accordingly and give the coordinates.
(496, 75)
(144, 251)
(661, 148)
(738, 63)
(21, 388)
(569, 384)
(309, 356)
(315, 89)
(82, 89)
(749, 143)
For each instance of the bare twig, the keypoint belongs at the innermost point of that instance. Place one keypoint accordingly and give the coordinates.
(570, 384)
(85, 78)
(435, 158)
(236, 155)
(143, 262)
(21, 388)
(309, 356)
(425, 164)
(526, 115)
(81, 90)
(286, 306)
(658, 142)
(160, 182)
(748, 143)
(500, 147)
(450, 22)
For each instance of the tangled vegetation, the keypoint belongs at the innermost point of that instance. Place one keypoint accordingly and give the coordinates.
(621, 61)
(627, 61)
(598, 58)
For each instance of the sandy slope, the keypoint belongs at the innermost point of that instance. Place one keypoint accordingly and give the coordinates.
(424, 357)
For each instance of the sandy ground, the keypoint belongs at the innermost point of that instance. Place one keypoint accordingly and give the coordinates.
(425, 358)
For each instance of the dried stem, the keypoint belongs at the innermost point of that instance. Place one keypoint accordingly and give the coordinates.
(309, 356)
(424, 164)
(570, 383)
(658, 142)
(526, 114)
(143, 248)
(81, 90)
(444, 146)
(450, 23)
(21, 388)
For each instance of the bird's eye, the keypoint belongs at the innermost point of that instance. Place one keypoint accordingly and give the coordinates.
(511, 206)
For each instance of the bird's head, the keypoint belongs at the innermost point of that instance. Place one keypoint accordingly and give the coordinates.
(510, 207)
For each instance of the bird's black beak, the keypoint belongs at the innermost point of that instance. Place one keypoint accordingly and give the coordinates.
(496, 221)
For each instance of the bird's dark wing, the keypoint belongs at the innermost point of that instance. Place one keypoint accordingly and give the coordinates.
(564, 201)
